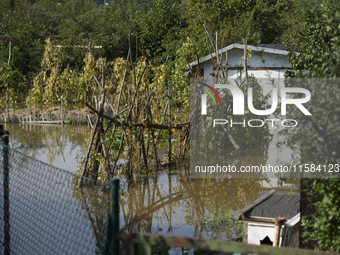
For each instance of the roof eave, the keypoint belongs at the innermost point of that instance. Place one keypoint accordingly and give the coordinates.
(238, 46)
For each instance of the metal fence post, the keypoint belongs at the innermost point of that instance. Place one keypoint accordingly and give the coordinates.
(115, 215)
(6, 194)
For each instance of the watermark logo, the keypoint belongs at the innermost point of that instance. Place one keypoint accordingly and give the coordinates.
(238, 99)
(204, 97)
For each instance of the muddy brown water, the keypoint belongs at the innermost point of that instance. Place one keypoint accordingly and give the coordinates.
(56, 145)
(165, 201)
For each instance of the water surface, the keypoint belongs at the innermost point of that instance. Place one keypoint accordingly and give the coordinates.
(56, 145)
(164, 201)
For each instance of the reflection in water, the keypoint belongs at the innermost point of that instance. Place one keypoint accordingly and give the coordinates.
(167, 202)
(170, 203)
(54, 144)
(176, 204)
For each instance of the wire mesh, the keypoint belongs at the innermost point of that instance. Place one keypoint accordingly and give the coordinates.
(48, 213)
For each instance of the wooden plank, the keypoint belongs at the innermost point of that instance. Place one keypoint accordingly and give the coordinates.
(257, 201)
(211, 245)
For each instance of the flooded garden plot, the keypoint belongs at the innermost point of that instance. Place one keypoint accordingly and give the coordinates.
(140, 131)
(165, 201)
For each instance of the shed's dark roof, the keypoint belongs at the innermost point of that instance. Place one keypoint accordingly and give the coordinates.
(276, 205)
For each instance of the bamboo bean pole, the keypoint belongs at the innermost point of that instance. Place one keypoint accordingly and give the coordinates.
(226, 64)
(165, 108)
(143, 148)
(129, 151)
(169, 140)
(88, 153)
(245, 60)
(153, 141)
(118, 103)
(105, 154)
(146, 119)
(136, 48)
(145, 151)
(135, 95)
(119, 151)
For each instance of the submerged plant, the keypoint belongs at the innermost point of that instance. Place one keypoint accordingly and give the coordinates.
(225, 222)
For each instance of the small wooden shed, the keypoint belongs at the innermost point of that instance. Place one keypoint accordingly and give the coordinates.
(266, 60)
(272, 219)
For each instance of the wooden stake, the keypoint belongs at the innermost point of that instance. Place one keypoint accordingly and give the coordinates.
(245, 60)
(88, 153)
(106, 157)
(169, 154)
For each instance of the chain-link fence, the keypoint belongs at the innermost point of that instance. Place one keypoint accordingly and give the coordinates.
(42, 211)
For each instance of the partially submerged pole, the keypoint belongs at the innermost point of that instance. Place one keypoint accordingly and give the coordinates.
(62, 115)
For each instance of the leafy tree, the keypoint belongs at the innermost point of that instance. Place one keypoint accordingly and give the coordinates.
(269, 19)
(159, 30)
(318, 140)
(258, 20)
(20, 26)
(12, 83)
(318, 44)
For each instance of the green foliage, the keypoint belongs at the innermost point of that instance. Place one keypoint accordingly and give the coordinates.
(225, 221)
(21, 26)
(179, 82)
(161, 26)
(236, 20)
(55, 80)
(46, 83)
(318, 139)
(325, 228)
(269, 19)
(318, 44)
(159, 29)
(320, 129)
(12, 83)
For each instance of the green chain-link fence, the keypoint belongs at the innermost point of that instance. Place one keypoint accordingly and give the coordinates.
(42, 211)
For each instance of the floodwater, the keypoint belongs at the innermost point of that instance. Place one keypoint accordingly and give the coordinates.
(56, 145)
(173, 203)
(164, 201)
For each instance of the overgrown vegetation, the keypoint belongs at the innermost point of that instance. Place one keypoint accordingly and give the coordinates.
(158, 27)
(150, 43)
(12, 84)
(318, 141)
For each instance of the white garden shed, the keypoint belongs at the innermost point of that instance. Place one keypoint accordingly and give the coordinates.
(267, 60)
